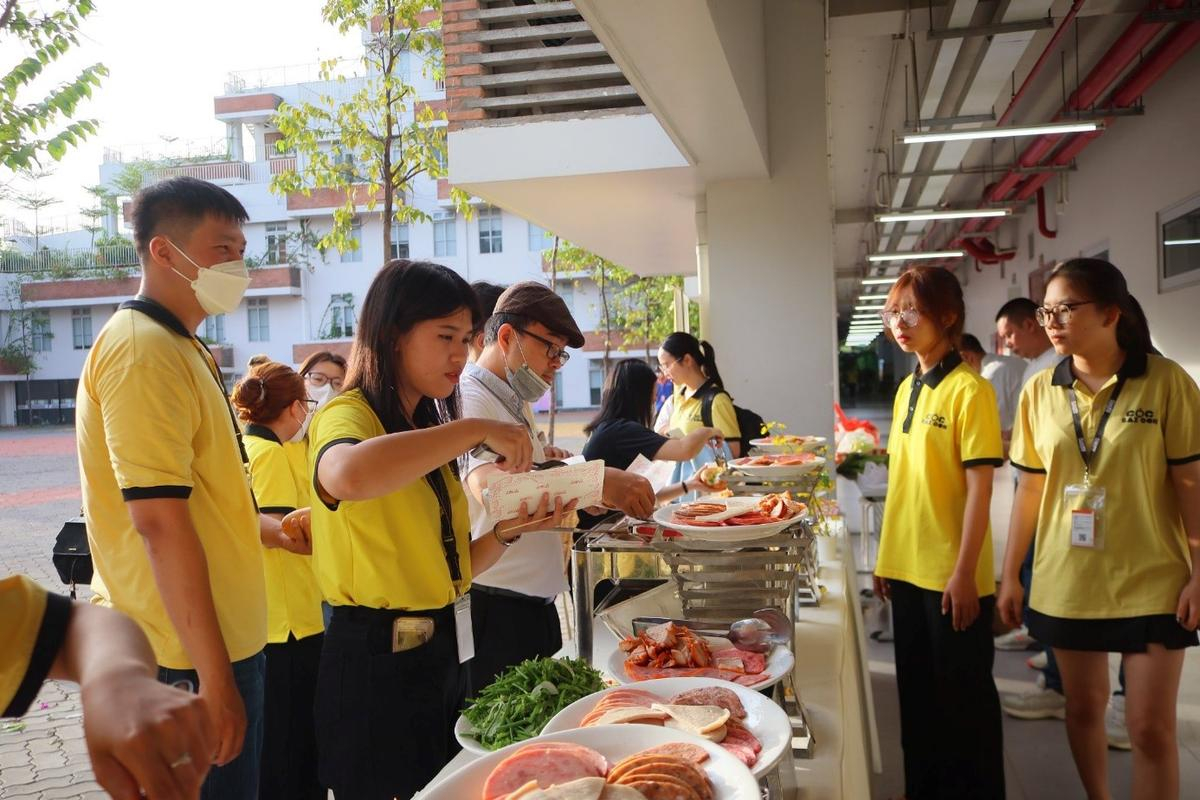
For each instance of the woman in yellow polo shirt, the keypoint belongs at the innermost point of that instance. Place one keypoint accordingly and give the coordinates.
(1108, 448)
(272, 402)
(935, 551)
(691, 365)
(394, 555)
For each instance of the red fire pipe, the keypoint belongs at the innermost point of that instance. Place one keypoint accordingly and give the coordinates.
(985, 251)
(1041, 62)
(1043, 228)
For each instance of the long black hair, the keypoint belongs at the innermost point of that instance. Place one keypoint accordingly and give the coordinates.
(628, 394)
(680, 344)
(403, 294)
(1103, 284)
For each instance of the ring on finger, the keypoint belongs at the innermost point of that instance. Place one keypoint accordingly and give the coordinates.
(182, 761)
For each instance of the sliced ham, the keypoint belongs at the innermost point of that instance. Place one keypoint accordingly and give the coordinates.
(548, 763)
(690, 752)
(712, 696)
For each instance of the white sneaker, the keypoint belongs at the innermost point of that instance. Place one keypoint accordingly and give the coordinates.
(1016, 639)
(1114, 723)
(1037, 703)
(1037, 661)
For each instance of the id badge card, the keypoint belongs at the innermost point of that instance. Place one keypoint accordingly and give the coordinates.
(1086, 504)
(462, 629)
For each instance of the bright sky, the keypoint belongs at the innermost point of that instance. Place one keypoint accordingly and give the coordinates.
(167, 60)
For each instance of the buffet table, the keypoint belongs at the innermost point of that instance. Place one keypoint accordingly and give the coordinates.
(833, 684)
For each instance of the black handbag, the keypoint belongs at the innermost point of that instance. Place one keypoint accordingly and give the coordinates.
(71, 555)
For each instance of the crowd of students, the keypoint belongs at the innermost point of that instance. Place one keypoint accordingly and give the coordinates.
(1103, 552)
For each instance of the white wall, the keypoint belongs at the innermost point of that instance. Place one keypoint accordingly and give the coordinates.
(1135, 169)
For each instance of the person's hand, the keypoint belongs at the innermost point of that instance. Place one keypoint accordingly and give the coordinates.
(227, 713)
(630, 493)
(715, 437)
(883, 589)
(544, 517)
(961, 599)
(145, 736)
(298, 526)
(1011, 601)
(510, 441)
(1188, 611)
(557, 453)
(301, 547)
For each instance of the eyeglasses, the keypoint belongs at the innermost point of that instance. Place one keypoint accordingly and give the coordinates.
(665, 366)
(1061, 313)
(909, 317)
(553, 351)
(319, 379)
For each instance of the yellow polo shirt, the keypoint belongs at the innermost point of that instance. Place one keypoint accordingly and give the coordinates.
(1142, 561)
(152, 421)
(687, 412)
(279, 475)
(385, 552)
(954, 425)
(33, 625)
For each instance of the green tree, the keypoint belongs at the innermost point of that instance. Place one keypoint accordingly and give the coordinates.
(105, 203)
(382, 137)
(31, 127)
(31, 197)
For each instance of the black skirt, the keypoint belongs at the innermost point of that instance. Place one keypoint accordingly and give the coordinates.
(1123, 635)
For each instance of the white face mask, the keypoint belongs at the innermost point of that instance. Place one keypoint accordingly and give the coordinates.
(322, 394)
(528, 385)
(302, 431)
(219, 288)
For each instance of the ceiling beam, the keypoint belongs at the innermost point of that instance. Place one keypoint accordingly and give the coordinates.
(991, 30)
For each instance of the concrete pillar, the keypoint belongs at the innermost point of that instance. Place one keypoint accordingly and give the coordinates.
(233, 141)
(767, 270)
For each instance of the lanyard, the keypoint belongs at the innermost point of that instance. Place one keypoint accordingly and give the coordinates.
(519, 416)
(437, 482)
(1087, 455)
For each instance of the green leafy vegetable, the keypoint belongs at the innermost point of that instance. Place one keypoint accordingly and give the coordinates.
(523, 698)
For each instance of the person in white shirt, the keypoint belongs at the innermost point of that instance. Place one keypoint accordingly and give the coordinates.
(512, 604)
(1016, 325)
(1003, 372)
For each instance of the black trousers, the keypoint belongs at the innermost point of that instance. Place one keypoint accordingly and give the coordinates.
(385, 721)
(950, 725)
(289, 755)
(509, 630)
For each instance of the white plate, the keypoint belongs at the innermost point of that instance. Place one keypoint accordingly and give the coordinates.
(780, 662)
(730, 777)
(765, 445)
(764, 718)
(779, 471)
(468, 743)
(723, 533)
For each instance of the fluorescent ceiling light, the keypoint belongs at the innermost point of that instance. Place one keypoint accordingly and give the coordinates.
(926, 214)
(868, 308)
(1005, 132)
(872, 298)
(1176, 242)
(879, 281)
(915, 256)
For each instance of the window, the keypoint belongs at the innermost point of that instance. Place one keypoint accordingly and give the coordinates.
(40, 331)
(566, 290)
(399, 240)
(558, 389)
(345, 164)
(442, 153)
(491, 239)
(596, 380)
(214, 328)
(276, 242)
(81, 328)
(257, 314)
(539, 238)
(354, 256)
(445, 238)
(341, 316)
(1179, 245)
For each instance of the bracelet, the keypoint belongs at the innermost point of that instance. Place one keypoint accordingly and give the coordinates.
(683, 487)
(508, 543)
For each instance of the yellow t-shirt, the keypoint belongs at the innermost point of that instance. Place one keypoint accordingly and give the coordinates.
(1142, 560)
(687, 412)
(385, 552)
(278, 473)
(152, 421)
(954, 425)
(32, 627)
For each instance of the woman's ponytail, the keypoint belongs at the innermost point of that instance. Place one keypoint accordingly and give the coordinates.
(708, 361)
(1133, 330)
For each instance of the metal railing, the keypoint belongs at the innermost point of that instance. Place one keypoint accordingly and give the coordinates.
(225, 172)
(249, 81)
(69, 262)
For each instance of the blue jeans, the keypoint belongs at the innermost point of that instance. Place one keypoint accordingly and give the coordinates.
(237, 780)
(1053, 677)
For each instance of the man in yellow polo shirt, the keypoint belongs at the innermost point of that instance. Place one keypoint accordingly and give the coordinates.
(171, 521)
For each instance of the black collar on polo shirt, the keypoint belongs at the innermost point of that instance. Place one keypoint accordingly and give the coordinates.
(1134, 366)
(157, 312)
(262, 432)
(940, 370)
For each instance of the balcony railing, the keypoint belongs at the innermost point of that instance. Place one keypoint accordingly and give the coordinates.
(69, 262)
(251, 81)
(225, 173)
(536, 60)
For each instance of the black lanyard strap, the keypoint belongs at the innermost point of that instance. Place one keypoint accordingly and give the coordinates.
(437, 482)
(1089, 455)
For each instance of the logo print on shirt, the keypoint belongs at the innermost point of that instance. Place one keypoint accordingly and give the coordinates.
(935, 420)
(1145, 415)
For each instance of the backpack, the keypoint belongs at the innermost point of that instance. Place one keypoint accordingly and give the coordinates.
(750, 424)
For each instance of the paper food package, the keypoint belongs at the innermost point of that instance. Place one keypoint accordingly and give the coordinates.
(657, 472)
(581, 482)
